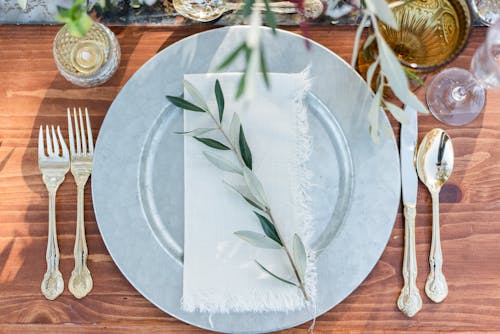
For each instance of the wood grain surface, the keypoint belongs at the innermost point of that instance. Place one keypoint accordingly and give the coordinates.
(32, 92)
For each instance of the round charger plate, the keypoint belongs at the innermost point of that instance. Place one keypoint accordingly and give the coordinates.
(138, 186)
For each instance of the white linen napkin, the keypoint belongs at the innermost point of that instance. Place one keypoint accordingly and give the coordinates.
(220, 273)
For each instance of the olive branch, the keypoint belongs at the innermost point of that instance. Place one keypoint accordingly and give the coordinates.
(391, 73)
(234, 140)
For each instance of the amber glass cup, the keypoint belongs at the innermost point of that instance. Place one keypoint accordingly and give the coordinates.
(431, 33)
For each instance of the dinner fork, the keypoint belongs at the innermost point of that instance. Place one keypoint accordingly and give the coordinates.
(54, 165)
(82, 155)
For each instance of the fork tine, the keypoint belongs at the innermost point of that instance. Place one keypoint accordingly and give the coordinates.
(82, 132)
(77, 132)
(89, 132)
(65, 152)
(70, 134)
(41, 150)
(56, 144)
(50, 151)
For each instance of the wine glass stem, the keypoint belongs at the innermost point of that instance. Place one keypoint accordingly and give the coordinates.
(460, 93)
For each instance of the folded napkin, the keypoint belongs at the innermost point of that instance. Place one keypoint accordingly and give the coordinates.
(220, 273)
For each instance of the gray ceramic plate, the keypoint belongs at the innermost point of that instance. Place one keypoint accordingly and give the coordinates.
(138, 185)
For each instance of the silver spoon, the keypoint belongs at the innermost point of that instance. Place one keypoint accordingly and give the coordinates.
(434, 165)
(209, 10)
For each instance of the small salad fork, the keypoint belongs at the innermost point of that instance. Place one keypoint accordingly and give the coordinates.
(54, 165)
(82, 155)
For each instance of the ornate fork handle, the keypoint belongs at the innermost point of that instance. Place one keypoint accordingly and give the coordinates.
(80, 283)
(409, 301)
(52, 283)
(436, 287)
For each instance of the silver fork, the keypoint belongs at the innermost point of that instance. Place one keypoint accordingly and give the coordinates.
(54, 165)
(82, 155)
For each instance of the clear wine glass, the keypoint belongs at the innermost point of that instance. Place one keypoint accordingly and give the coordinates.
(457, 96)
(488, 11)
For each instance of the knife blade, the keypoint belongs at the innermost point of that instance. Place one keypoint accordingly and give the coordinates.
(409, 301)
(408, 142)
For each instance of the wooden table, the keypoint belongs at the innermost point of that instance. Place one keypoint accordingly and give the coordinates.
(32, 92)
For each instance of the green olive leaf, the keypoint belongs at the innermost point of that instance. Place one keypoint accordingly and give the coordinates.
(183, 104)
(195, 132)
(371, 72)
(373, 115)
(268, 228)
(242, 83)
(234, 129)
(246, 154)
(369, 40)
(357, 38)
(398, 113)
(232, 56)
(270, 17)
(247, 8)
(254, 185)
(263, 68)
(219, 96)
(252, 201)
(258, 240)
(274, 275)
(222, 163)
(414, 77)
(212, 143)
(195, 94)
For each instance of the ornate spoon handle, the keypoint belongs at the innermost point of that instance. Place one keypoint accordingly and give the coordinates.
(52, 283)
(409, 301)
(436, 287)
(80, 282)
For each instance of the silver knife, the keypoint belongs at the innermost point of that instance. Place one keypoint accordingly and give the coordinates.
(409, 301)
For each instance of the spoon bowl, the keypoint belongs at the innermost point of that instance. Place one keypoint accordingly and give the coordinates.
(434, 162)
(435, 159)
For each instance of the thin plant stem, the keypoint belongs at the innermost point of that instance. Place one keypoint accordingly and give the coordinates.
(267, 209)
(231, 145)
(295, 271)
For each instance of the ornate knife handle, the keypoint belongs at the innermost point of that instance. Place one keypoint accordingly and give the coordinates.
(409, 301)
(436, 287)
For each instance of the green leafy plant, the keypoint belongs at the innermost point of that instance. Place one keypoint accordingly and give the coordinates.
(76, 17)
(253, 191)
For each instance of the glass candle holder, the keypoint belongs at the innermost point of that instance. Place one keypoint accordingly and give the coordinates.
(90, 60)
